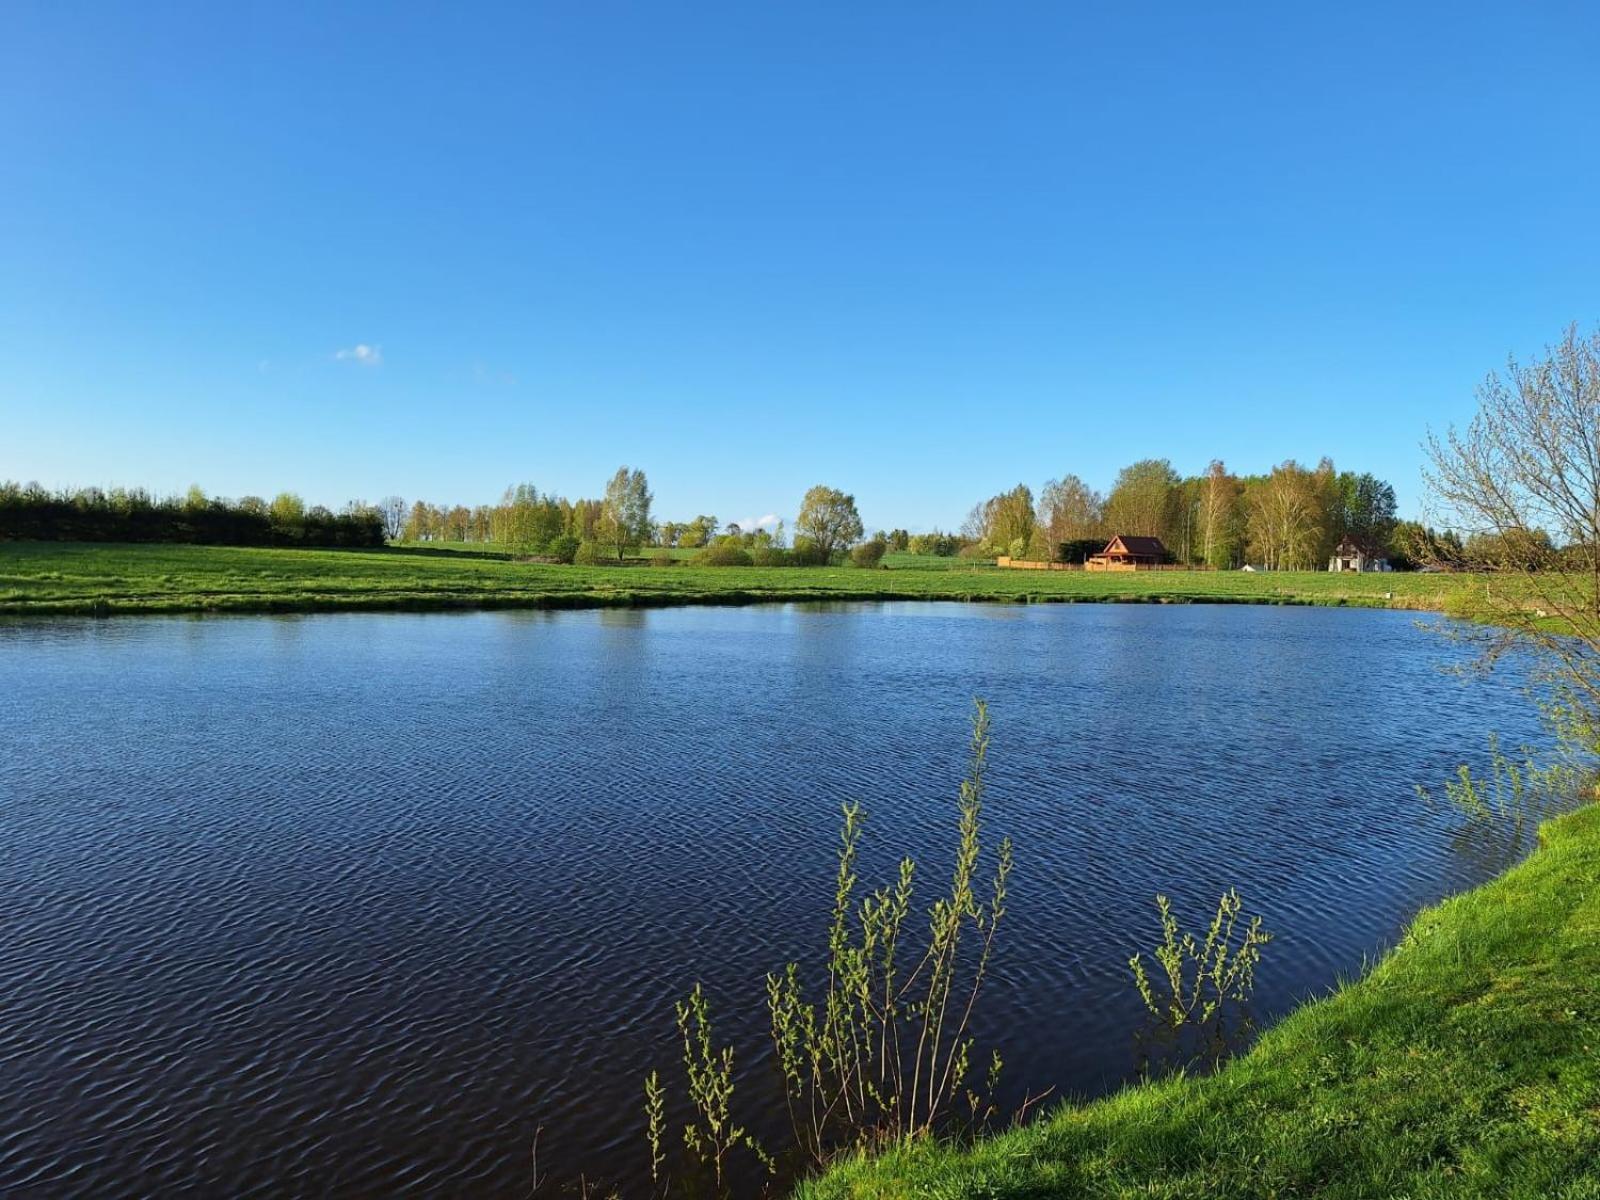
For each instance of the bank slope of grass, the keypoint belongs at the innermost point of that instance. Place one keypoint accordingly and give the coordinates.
(1466, 1064)
(74, 578)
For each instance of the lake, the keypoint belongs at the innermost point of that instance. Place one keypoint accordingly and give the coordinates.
(360, 904)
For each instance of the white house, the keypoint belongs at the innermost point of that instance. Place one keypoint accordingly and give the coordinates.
(1351, 555)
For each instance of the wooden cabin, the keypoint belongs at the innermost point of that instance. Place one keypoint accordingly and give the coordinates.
(1128, 553)
(1351, 555)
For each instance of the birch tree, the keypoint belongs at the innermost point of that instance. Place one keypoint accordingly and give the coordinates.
(1522, 483)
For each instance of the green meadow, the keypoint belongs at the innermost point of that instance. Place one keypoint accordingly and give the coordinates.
(63, 578)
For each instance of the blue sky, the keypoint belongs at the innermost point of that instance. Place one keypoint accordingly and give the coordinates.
(921, 252)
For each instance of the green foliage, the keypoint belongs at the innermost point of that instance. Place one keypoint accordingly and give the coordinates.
(525, 522)
(1143, 501)
(1366, 509)
(589, 554)
(869, 554)
(723, 555)
(655, 1122)
(698, 532)
(1070, 511)
(564, 548)
(1003, 521)
(709, 1071)
(770, 556)
(807, 553)
(1517, 793)
(939, 545)
(1513, 550)
(1198, 978)
(828, 521)
(661, 558)
(883, 1052)
(121, 515)
(878, 1050)
(1413, 544)
(625, 512)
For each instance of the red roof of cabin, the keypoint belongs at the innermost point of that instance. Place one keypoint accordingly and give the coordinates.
(1138, 547)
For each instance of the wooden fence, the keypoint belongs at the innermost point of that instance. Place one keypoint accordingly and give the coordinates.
(1022, 564)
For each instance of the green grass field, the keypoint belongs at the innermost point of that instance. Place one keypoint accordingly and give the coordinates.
(1466, 1064)
(92, 578)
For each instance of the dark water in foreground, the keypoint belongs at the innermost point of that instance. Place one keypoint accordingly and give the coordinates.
(353, 905)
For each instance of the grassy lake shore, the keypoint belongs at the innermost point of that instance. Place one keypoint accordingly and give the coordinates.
(1465, 1064)
(79, 578)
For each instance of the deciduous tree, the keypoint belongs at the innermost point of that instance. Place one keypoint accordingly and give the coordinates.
(1522, 481)
(1069, 511)
(1218, 516)
(828, 521)
(625, 512)
(393, 509)
(1143, 501)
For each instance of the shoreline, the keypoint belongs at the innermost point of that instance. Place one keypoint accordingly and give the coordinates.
(549, 602)
(1464, 1062)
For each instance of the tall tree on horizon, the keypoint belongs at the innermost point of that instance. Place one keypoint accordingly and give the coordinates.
(1286, 518)
(1143, 501)
(1218, 515)
(393, 509)
(1004, 523)
(828, 521)
(625, 511)
(1069, 511)
(1366, 508)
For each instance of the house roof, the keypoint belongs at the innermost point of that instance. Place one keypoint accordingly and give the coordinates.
(1368, 549)
(1141, 547)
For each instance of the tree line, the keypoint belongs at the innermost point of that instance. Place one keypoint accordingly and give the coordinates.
(32, 512)
(1290, 518)
(528, 523)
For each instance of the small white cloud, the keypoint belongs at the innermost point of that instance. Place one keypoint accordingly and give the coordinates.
(367, 356)
(766, 522)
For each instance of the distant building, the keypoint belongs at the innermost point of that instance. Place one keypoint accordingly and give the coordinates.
(1351, 555)
(1128, 553)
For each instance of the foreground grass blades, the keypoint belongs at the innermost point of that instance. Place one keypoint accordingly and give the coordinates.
(1466, 1064)
(67, 578)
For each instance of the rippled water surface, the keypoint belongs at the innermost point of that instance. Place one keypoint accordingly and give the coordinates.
(348, 905)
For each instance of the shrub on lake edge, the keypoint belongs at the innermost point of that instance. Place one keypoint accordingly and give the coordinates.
(878, 1050)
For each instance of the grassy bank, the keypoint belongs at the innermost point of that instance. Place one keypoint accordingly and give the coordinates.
(63, 578)
(1466, 1064)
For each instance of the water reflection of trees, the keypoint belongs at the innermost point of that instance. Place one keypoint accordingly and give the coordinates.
(1161, 1048)
(1503, 807)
